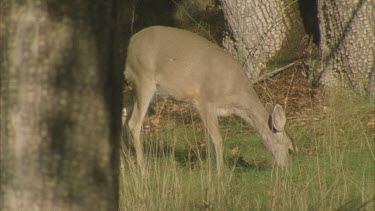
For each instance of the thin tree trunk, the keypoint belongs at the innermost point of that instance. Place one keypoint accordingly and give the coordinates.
(60, 106)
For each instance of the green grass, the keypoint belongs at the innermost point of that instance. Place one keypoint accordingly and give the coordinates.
(333, 168)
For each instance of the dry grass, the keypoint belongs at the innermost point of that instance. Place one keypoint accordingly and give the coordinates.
(333, 168)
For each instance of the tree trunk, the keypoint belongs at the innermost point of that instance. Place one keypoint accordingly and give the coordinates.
(60, 106)
(347, 44)
(257, 30)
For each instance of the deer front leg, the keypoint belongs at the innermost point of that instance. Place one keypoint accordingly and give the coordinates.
(209, 118)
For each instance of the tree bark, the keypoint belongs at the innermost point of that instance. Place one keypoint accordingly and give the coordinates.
(257, 30)
(60, 106)
(347, 44)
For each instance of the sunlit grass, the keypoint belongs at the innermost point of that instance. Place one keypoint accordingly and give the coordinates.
(333, 168)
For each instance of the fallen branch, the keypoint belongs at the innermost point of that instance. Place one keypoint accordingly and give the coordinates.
(272, 73)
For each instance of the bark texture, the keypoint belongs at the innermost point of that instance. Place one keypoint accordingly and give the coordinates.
(257, 30)
(348, 43)
(60, 106)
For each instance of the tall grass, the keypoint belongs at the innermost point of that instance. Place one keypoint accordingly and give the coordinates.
(334, 167)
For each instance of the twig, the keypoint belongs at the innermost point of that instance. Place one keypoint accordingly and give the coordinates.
(132, 20)
(288, 91)
(272, 73)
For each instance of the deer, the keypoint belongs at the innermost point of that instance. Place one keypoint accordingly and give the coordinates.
(176, 63)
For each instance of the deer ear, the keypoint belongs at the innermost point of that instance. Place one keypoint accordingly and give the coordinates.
(269, 108)
(278, 118)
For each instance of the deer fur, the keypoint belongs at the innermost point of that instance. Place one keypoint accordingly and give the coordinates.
(176, 63)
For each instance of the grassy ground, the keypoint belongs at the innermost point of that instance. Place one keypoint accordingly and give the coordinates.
(333, 168)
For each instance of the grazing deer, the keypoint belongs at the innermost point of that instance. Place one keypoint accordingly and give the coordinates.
(182, 65)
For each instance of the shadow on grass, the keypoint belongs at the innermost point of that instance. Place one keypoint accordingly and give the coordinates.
(191, 156)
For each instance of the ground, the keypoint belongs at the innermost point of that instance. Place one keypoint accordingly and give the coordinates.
(333, 168)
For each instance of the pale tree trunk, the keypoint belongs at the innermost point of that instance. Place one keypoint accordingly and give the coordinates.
(257, 30)
(60, 106)
(347, 44)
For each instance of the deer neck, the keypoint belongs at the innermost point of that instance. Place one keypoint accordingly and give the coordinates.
(257, 116)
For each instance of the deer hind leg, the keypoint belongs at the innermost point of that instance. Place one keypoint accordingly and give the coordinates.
(210, 120)
(144, 95)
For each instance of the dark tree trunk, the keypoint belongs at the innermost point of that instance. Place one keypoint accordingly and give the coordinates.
(60, 106)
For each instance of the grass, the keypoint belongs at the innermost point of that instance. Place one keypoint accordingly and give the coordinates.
(334, 167)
